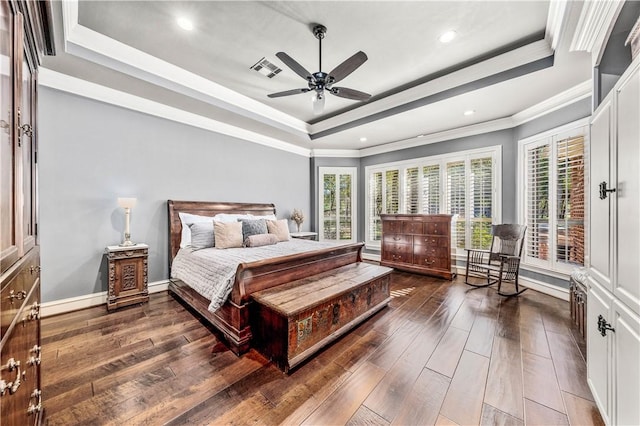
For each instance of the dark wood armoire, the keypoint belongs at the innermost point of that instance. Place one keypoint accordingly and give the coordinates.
(25, 35)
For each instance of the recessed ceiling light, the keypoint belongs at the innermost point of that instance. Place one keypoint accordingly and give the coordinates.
(363, 139)
(448, 36)
(470, 112)
(185, 24)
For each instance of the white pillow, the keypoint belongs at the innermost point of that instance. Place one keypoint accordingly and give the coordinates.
(233, 217)
(187, 219)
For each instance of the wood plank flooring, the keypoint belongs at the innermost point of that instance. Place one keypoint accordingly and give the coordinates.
(441, 353)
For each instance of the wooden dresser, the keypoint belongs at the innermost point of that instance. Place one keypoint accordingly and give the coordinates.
(417, 243)
(24, 36)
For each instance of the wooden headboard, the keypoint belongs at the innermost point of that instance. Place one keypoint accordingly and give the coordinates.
(206, 208)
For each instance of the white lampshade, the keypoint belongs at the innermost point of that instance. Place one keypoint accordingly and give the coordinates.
(127, 202)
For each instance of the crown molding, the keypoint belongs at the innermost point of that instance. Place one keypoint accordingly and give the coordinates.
(556, 20)
(86, 89)
(333, 153)
(595, 24)
(447, 135)
(98, 48)
(561, 100)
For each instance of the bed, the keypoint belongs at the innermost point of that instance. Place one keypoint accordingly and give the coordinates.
(232, 319)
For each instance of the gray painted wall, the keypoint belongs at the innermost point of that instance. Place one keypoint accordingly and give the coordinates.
(91, 153)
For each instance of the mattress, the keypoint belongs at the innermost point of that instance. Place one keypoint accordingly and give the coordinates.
(211, 272)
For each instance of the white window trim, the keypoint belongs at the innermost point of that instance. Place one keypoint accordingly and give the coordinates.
(580, 127)
(494, 151)
(353, 171)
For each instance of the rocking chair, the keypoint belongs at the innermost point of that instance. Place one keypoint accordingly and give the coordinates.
(501, 262)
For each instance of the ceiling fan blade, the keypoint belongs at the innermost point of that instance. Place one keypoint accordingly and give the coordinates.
(288, 93)
(294, 65)
(348, 66)
(345, 92)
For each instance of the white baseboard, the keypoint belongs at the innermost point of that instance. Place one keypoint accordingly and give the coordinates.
(62, 306)
(542, 287)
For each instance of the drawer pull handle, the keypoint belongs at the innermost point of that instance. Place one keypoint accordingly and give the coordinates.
(11, 365)
(35, 269)
(35, 408)
(19, 295)
(397, 238)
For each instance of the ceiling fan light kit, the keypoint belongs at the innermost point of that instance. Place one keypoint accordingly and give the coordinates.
(320, 81)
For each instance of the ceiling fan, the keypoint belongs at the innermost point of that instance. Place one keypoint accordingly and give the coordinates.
(319, 81)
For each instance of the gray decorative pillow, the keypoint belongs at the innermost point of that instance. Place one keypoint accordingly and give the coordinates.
(260, 240)
(202, 235)
(253, 227)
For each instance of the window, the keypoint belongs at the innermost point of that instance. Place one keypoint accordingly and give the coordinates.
(337, 203)
(462, 184)
(552, 201)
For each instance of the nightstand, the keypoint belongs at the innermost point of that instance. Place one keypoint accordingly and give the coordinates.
(127, 275)
(304, 235)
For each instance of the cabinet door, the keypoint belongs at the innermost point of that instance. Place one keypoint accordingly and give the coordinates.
(8, 240)
(598, 349)
(627, 284)
(601, 210)
(627, 366)
(25, 167)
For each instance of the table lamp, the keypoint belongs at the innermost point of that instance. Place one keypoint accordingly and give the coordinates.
(127, 204)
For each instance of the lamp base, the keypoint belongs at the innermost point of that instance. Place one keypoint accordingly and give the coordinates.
(127, 240)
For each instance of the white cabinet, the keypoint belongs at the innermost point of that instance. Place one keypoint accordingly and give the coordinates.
(613, 303)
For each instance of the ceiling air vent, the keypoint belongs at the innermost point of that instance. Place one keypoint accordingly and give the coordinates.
(265, 67)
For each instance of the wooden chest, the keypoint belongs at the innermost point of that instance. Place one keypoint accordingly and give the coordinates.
(292, 321)
(418, 243)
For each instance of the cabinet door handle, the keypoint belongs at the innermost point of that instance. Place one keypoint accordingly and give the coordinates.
(19, 295)
(603, 326)
(604, 190)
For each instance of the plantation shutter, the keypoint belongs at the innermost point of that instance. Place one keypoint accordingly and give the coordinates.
(392, 191)
(411, 190)
(456, 201)
(481, 201)
(431, 189)
(329, 206)
(344, 210)
(570, 201)
(537, 212)
(375, 206)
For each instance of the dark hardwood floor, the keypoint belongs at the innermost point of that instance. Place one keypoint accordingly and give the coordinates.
(441, 353)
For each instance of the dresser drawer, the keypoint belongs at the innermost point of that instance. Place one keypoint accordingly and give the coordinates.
(14, 293)
(432, 241)
(431, 251)
(412, 227)
(436, 228)
(397, 239)
(434, 262)
(393, 252)
(392, 227)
